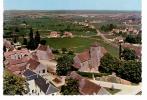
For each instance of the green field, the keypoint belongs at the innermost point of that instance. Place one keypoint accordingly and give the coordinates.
(79, 44)
(44, 25)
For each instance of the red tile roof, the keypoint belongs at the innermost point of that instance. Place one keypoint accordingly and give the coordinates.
(103, 50)
(18, 61)
(16, 69)
(86, 87)
(33, 64)
(76, 76)
(84, 56)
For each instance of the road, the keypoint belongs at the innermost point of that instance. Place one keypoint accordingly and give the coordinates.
(125, 89)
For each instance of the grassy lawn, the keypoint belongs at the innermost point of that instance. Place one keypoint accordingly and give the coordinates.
(113, 91)
(79, 44)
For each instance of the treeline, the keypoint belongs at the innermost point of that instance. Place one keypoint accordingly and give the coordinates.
(133, 39)
(108, 27)
(128, 68)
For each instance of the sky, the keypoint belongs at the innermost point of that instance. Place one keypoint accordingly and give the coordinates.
(72, 5)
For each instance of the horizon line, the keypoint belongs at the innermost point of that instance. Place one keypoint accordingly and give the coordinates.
(67, 10)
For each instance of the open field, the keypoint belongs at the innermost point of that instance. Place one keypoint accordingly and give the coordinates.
(79, 44)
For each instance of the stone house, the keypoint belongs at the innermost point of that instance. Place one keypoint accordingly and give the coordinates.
(89, 60)
(37, 85)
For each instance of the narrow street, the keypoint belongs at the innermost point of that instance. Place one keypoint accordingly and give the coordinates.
(125, 89)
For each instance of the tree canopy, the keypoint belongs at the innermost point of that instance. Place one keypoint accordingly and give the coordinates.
(131, 71)
(64, 64)
(71, 87)
(128, 54)
(13, 85)
(126, 69)
(108, 63)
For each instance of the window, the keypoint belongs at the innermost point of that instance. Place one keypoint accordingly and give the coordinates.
(43, 71)
(32, 91)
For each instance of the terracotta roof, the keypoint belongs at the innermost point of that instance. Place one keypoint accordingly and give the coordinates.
(88, 88)
(56, 80)
(18, 61)
(75, 75)
(103, 50)
(77, 65)
(33, 64)
(84, 56)
(16, 69)
(22, 51)
(42, 47)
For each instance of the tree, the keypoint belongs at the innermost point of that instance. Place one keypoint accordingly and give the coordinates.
(17, 29)
(109, 64)
(43, 42)
(64, 50)
(37, 38)
(31, 34)
(32, 42)
(131, 71)
(13, 85)
(71, 52)
(128, 54)
(71, 87)
(14, 40)
(130, 39)
(64, 65)
(25, 42)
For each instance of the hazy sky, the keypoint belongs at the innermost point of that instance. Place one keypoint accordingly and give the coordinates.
(72, 4)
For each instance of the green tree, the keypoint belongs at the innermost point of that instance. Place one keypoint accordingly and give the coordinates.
(71, 87)
(13, 85)
(31, 34)
(43, 42)
(131, 71)
(64, 50)
(37, 38)
(128, 54)
(109, 64)
(32, 43)
(25, 42)
(64, 65)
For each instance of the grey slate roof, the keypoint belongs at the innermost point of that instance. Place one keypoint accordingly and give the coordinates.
(30, 75)
(47, 88)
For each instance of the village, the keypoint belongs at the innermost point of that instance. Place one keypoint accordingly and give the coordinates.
(57, 63)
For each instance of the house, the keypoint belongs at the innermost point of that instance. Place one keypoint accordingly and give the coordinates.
(15, 69)
(54, 34)
(87, 87)
(8, 45)
(67, 34)
(17, 57)
(89, 60)
(36, 67)
(38, 85)
(43, 52)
